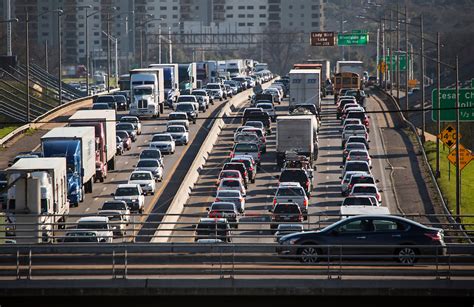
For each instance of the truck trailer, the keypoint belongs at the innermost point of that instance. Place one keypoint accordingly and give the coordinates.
(103, 122)
(170, 81)
(77, 145)
(305, 87)
(297, 134)
(38, 189)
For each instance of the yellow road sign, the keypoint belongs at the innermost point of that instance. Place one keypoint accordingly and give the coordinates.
(412, 83)
(382, 67)
(465, 156)
(448, 136)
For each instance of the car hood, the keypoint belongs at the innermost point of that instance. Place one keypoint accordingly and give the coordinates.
(300, 235)
(126, 197)
(140, 181)
(160, 143)
(151, 169)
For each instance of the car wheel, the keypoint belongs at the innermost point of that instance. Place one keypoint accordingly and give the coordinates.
(253, 180)
(102, 179)
(407, 255)
(140, 210)
(153, 193)
(309, 254)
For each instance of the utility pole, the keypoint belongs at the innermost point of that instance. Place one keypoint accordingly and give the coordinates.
(159, 43)
(406, 61)
(46, 64)
(108, 52)
(383, 75)
(377, 61)
(397, 54)
(60, 58)
(9, 28)
(438, 103)
(423, 98)
(170, 45)
(141, 47)
(458, 173)
(27, 66)
(391, 53)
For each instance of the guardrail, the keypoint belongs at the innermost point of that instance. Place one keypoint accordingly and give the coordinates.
(43, 119)
(425, 159)
(25, 229)
(174, 260)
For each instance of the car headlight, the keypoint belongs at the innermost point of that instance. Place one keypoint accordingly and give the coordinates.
(291, 241)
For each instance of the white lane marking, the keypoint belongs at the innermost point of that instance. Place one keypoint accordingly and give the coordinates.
(210, 124)
(87, 209)
(126, 162)
(97, 198)
(104, 188)
(327, 177)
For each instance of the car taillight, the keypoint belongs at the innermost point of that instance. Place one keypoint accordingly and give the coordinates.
(300, 217)
(217, 199)
(378, 197)
(274, 201)
(245, 174)
(434, 236)
(259, 155)
(348, 159)
(305, 202)
(350, 187)
(231, 155)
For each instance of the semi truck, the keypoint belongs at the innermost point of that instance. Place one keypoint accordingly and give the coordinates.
(297, 134)
(77, 145)
(147, 92)
(305, 87)
(170, 81)
(235, 67)
(261, 66)
(187, 76)
(38, 189)
(103, 122)
(124, 82)
(206, 71)
(325, 75)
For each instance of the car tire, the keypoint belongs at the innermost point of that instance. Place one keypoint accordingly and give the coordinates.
(102, 179)
(153, 193)
(253, 180)
(309, 254)
(407, 255)
(140, 210)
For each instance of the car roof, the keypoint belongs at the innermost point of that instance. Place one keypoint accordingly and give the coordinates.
(212, 220)
(369, 185)
(94, 219)
(128, 185)
(140, 171)
(179, 126)
(289, 184)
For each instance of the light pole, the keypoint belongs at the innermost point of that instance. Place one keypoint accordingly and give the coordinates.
(110, 37)
(142, 27)
(342, 32)
(87, 48)
(9, 21)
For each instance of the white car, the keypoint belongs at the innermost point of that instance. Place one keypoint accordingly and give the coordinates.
(275, 93)
(134, 120)
(145, 179)
(152, 165)
(117, 205)
(189, 99)
(179, 133)
(351, 121)
(232, 196)
(364, 189)
(215, 91)
(203, 99)
(359, 155)
(132, 194)
(353, 130)
(268, 107)
(232, 184)
(98, 224)
(117, 221)
(178, 122)
(164, 142)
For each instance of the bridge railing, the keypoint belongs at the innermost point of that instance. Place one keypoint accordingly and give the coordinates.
(204, 260)
(37, 229)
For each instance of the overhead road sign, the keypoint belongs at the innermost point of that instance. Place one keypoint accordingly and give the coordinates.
(323, 39)
(465, 156)
(448, 105)
(360, 31)
(448, 136)
(352, 39)
(393, 64)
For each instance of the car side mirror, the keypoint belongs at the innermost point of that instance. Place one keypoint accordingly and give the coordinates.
(277, 176)
(270, 210)
(112, 194)
(207, 209)
(377, 181)
(340, 177)
(340, 166)
(368, 141)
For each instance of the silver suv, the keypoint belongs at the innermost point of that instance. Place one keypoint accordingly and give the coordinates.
(292, 192)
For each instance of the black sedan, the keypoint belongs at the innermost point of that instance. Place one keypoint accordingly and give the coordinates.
(390, 235)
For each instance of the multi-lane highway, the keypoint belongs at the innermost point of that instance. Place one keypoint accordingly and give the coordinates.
(325, 198)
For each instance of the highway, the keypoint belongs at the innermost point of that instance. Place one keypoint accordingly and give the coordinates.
(325, 196)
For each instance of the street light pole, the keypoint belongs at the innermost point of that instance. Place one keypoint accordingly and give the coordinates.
(423, 122)
(406, 61)
(438, 103)
(170, 45)
(458, 174)
(108, 53)
(28, 101)
(87, 50)
(60, 59)
(159, 43)
(397, 55)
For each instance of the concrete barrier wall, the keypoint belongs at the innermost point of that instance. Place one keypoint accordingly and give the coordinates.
(182, 195)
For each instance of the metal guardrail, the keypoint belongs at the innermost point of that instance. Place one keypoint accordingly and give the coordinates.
(122, 261)
(247, 227)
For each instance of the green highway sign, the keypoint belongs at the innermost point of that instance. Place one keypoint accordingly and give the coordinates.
(472, 83)
(448, 101)
(360, 31)
(352, 39)
(393, 63)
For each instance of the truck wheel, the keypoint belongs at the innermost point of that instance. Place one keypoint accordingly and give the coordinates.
(111, 163)
(102, 179)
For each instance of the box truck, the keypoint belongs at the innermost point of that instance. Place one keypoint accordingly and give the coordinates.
(305, 87)
(170, 81)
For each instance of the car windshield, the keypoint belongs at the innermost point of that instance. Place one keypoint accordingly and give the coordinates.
(213, 87)
(186, 99)
(114, 206)
(362, 179)
(175, 129)
(129, 191)
(122, 134)
(129, 120)
(100, 106)
(229, 174)
(246, 138)
(142, 91)
(286, 208)
(359, 115)
(357, 201)
(365, 190)
(184, 107)
(228, 207)
(228, 194)
(199, 93)
(105, 99)
(352, 146)
(360, 167)
(246, 148)
(247, 163)
(177, 116)
(356, 140)
(293, 176)
(354, 127)
(154, 154)
(290, 192)
(257, 131)
(111, 216)
(230, 183)
(92, 225)
(124, 127)
(147, 163)
(358, 154)
(265, 106)
(161, 138)
(140, 176)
